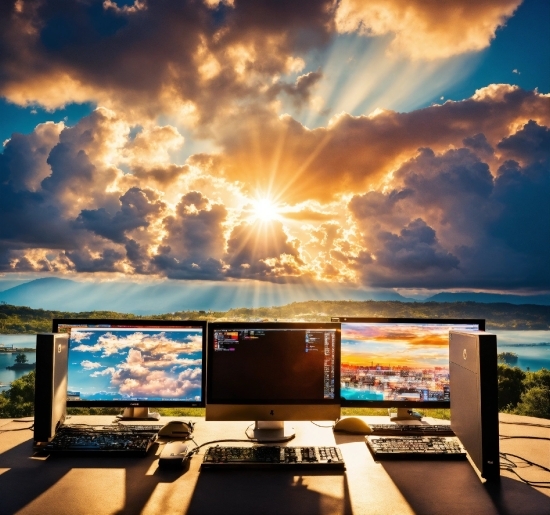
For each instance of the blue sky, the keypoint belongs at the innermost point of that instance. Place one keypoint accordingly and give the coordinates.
(372, 145)
(146, 364)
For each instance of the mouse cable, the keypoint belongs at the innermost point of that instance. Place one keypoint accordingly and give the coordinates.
(195, 449)
(511, 466)
(319, 425)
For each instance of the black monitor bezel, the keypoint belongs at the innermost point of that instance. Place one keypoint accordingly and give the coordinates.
(56, 322)
(212, 326)
(385, 320)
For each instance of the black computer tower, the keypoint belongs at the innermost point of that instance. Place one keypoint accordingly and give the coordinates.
(50, 393)
(474, 396)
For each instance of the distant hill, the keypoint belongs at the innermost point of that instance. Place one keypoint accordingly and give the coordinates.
(168, 296)
(6, 285)
(489, 298)
(18, 319)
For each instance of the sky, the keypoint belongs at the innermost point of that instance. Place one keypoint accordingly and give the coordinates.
(415, 346)
(147, 364)
(398, 145)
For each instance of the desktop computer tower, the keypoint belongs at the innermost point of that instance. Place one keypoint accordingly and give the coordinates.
(50, 393)
(474, 395)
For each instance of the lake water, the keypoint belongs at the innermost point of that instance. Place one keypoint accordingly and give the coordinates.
(532, 348)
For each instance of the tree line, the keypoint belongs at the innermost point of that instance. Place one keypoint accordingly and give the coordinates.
(520, 393)
(25, 320)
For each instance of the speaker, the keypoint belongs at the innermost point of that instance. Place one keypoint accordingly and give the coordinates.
(474, 396)
(50, 393)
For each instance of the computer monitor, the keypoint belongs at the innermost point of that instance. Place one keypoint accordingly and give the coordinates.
(400, 363)
(135, 364)
(272, 372)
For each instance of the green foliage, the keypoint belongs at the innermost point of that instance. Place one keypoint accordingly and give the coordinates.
(540, 378)
(18, 400)
(24, 320)
(535, 402)
(510, 386)
(510, 358)
(21, 358)
(524, 393)
(165, 412)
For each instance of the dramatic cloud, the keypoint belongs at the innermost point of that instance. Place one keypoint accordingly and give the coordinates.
(190, 58)
(427, 29)
(242, 140)
(420, 198)
(354, 153)
(452, 223)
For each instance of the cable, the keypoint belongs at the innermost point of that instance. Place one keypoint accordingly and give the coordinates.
(511, 466)
(18, 429)
(506, 437)
(524, 424)
(319, 425)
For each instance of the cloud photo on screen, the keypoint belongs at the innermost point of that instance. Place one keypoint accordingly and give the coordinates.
(135, 364)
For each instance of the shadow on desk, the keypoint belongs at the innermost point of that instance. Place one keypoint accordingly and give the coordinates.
(134, 485)
(462, 489)
(41, 487)
(270, 492)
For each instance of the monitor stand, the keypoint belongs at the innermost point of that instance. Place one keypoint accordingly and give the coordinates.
(138, 414)
(403, 414)
(272, 431)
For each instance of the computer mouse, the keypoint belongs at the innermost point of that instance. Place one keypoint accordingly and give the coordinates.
(352, 425)
(177, 429)
(174, 454)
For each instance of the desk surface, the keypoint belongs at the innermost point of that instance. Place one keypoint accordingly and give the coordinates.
(31, 485)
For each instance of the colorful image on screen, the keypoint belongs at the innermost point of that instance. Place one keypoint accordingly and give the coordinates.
(396, 362)
(131, 364)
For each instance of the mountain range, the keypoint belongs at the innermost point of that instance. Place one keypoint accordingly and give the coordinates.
(53, 293)
(168, 296)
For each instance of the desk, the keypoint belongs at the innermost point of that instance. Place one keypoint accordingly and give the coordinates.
(59, 486)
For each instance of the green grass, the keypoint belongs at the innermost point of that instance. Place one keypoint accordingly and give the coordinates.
(199, 412)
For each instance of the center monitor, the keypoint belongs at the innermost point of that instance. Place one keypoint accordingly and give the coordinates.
(272, 372)
(400, 363)
(135, 364)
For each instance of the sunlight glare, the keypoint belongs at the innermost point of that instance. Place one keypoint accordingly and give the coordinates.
(265, 210)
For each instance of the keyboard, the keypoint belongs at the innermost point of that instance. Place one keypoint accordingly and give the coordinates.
(273, 457)
(415, 447)
(411, 429)
(104, 441)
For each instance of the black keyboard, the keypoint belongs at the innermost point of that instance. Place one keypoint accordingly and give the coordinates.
(411, 429)
(117, 440)
(415, 447)
(273, 457)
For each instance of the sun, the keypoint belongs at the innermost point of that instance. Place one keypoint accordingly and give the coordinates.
(265, 210)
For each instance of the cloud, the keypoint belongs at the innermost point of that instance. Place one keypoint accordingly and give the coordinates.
(137, 207)
(140, 376)
(90, 365)
(355, 153)
(109, 371)
(450, 223)
(430, 192)
(427, 29)
(193, 243)
(199, 59)
(262, 251)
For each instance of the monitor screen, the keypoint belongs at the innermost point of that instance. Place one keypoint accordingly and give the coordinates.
(134, 363)
(398, 362)
(273, 371)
